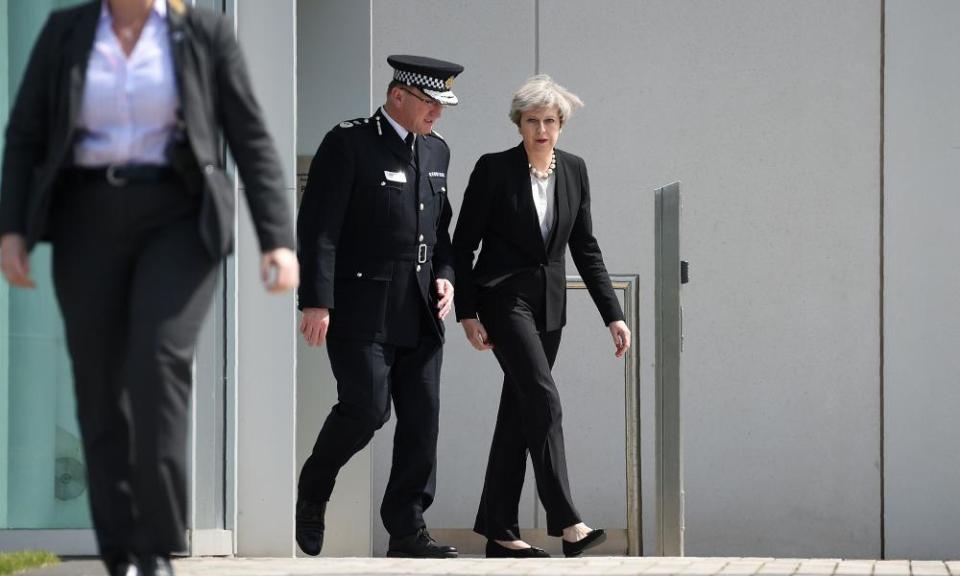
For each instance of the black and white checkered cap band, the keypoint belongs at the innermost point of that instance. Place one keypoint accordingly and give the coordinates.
(420, 80)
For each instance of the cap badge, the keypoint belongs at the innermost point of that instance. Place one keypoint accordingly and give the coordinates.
(449, 83)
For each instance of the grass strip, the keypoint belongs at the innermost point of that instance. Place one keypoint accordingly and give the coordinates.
(14, 562)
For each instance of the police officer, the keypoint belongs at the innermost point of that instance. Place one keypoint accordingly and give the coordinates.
(377, 271)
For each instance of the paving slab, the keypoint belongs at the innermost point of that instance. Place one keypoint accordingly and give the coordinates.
(588, 566)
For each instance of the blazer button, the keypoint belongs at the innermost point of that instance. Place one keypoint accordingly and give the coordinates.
(421, 206)
(383, 183)
(208, 169)
(359, 274)
(420, 238)
(418, 267)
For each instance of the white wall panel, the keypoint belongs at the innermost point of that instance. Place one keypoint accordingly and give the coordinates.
(768, 112)
(266, 324)
(922, 281)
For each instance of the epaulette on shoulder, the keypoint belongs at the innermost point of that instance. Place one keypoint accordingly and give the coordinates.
(437, 135)
(352, 123)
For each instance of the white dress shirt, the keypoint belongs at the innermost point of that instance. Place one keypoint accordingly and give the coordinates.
(401, 131)
(543, 201)
(129, 107)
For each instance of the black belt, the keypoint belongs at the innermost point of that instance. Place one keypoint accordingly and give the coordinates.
(124, 174)
(419, 253)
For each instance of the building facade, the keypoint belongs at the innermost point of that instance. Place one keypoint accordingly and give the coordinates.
(817, 145)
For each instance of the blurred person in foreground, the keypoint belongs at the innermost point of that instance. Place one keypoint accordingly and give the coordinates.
(113, 154)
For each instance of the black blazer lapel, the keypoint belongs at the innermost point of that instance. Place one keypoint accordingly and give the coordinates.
(394, 142)
(177, 32)
(561, 206)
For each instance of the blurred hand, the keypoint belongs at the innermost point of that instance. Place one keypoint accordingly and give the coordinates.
(314, 324)
(621, 337)
(445, 297)
(14, 260)
(476, 334)
(279, 270)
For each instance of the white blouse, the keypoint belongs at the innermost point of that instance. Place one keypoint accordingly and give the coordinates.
(543, 201)
(129, 107)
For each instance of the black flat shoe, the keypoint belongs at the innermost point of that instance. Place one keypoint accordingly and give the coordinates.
(310, 526)
(495, 550)
(593, 538)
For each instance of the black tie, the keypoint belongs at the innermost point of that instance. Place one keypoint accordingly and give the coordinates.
(409, 140)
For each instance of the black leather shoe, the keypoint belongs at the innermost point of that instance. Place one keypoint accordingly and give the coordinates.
(310, 526)
(593, 538)
(154, 565)
(495, 550)
(419, 545)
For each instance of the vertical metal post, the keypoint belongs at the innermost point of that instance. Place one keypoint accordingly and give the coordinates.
(668, 346)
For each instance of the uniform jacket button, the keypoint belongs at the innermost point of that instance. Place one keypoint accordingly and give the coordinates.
(421, 206)
(359, 274)
(420, 238)
(209, 168)
(418, 267)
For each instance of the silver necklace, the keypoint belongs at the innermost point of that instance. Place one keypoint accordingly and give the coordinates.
(545, 174)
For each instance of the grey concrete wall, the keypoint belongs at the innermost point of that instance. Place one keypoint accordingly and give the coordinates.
(266, 324)
(922, 282)
(333, 72)
(768, 112)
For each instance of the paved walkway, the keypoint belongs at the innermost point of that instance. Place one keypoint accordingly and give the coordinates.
(597, 565)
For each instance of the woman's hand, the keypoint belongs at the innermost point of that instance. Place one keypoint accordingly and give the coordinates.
(279, 270)
(476, 334)
(314, 324)
(14, 260)
(621, 337)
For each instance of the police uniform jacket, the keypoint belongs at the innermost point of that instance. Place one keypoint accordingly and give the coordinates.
(372, 232)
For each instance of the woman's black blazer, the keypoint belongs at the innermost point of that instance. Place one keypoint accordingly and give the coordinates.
(215, 95)
(498, 210)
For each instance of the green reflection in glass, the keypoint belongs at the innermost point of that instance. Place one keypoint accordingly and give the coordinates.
(42, 471)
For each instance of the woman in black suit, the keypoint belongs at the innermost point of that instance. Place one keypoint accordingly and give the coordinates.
(527, 205)
(113, 153)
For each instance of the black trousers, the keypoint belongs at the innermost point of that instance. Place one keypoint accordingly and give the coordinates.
(530, 416)
(368, 375)
(134, 283)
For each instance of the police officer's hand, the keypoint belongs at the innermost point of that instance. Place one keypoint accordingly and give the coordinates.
(14, 260)
(476, 334)
(314, 324)
(621, 337)
(444, 297)
(279, 270)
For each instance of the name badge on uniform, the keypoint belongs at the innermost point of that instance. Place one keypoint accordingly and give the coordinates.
(395, 176)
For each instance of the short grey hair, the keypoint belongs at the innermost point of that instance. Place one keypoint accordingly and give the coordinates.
(541, 91)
